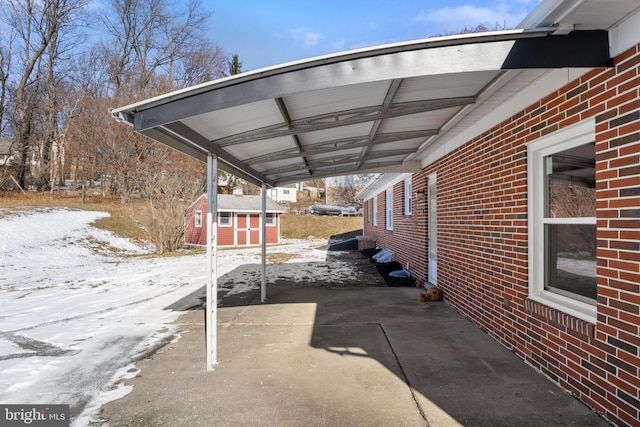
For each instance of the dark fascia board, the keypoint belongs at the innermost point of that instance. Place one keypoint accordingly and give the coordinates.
(576, 49)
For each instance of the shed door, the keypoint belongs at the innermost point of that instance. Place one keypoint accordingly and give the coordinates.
(248, 229)
(433, 231)
(241, 229)
(254, 229)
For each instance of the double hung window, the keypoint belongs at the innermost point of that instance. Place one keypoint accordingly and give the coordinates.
(389, 209)
(407, 196)
(224, 219)
(562, 220)
(270, 219)
(374, 209)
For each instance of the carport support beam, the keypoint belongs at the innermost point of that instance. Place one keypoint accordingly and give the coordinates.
(211, 319)
(263, 284)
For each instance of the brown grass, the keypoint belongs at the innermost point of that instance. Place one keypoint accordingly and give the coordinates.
(121, 221)
(322, 227)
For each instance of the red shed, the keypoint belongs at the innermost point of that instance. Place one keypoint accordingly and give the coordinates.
(238, 221)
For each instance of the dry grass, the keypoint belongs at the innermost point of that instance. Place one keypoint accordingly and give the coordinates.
(121, 221)
(324, 226)
(280, 257)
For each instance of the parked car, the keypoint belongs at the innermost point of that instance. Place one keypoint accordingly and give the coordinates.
(321, 209)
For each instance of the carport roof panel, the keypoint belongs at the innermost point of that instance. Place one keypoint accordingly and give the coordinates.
(397, 93)
(229, 121)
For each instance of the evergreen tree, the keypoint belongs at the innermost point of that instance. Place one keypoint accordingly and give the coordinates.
(235, 66)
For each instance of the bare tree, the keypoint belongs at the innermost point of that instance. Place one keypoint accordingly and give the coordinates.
(147, 39)
(200, 64)
(151, 48)
(167, 195)
(480, 28)
(346, 188)
(38, 26)
(5, 67)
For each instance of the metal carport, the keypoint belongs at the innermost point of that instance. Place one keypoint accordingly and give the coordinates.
(381, 109)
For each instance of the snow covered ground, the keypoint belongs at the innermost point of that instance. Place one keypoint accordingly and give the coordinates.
(81, 306)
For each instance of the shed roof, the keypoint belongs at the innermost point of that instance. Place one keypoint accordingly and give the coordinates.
(380, 109)
(244, 203)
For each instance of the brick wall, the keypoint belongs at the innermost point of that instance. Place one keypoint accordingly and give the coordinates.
(483, 240)
(616, 362)
(408, 238)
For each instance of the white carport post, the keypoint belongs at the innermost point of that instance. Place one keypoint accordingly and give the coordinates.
(263, 284)
(211, 318)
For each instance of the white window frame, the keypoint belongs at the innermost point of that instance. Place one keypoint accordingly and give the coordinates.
(388, 206)
(407, 196)
(197, 219)
(374, 209)
(579, 134)
(270, 219)
(222, 215)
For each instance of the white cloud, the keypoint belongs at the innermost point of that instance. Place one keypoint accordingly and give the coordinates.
(453, 19)
(311, 39)
(307, 39)
(95, 5)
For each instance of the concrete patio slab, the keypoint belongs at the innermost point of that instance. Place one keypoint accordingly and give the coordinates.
(363, 356)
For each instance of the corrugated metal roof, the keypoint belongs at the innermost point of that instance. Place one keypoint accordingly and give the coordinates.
(381, 109)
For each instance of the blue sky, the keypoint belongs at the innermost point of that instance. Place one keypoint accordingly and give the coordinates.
(265, 33)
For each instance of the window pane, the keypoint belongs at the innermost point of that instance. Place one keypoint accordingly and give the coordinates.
(225, 218)
(571, 177)
(270, 219)
(571, 259)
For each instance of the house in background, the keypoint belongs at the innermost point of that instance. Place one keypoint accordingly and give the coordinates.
(286, 194)
(526, 213)
(238, 221)
(6, 153)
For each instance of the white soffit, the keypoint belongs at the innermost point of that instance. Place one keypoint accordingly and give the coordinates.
(447, 86)
(332, 134)
(309, 104)
(260, 148)
(229, 121)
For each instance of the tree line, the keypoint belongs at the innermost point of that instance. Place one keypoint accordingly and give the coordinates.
(64, 63)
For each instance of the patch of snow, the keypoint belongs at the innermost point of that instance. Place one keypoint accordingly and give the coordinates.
(79, 307)
(581, 267)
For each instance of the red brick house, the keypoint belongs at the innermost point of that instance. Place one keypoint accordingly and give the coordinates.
(531, 225)
(511, 165)
(238, 221)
